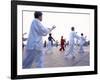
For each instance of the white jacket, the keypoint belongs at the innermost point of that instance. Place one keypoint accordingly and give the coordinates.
(37, 30)
(72, 37)
(82, 40)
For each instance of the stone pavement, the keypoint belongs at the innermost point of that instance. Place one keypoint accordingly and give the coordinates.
(56, 58)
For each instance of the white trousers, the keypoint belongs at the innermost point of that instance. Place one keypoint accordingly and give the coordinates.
(33, 56)
(71, 50)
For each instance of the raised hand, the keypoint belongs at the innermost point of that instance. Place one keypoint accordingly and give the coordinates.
(53, 27)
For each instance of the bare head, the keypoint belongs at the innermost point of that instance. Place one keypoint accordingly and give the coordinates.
(72, 28)
(38, 15)
(81, 34)
(50, 34)
(61, 37)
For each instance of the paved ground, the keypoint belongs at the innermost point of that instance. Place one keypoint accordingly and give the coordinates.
(56, 58)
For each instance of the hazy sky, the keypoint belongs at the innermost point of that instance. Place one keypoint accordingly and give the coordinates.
(62, 21)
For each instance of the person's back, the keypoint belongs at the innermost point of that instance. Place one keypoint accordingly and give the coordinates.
(72, 37)
(62, 41)
(71, 50)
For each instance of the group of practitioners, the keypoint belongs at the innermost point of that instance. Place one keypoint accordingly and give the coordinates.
(34, 53)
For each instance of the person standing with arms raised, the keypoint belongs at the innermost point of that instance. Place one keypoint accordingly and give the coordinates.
(34, 47)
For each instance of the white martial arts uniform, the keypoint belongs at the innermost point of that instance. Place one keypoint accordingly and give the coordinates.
(49, 45)
(49, 48)
(71, 49)
(82, 41)
(34, 47)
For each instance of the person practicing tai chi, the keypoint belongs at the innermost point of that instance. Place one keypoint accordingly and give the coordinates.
(71, 50)
(82, 41)
(50, 43)
(62, 44)
(51, 39)
(34, 47)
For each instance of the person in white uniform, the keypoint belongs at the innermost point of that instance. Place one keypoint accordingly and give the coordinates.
(82, 41)
(77, 40)
(71, 50)
(34, 47)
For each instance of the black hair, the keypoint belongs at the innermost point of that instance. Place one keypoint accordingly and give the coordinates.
(50, 34)
(37, 14)
(81, 34)
(72, 28)
(61, 36)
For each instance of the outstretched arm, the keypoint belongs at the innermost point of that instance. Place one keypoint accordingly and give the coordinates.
(53, 27)
(53, 39)
(41, 30)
